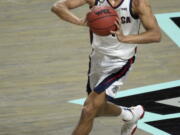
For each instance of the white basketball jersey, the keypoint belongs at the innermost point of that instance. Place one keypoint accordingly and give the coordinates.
(109, 45)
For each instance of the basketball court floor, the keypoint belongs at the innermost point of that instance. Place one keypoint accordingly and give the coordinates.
(43, 67)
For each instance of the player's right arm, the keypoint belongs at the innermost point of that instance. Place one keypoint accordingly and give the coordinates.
(62, 9)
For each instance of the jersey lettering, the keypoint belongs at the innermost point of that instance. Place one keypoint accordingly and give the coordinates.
(126, 19)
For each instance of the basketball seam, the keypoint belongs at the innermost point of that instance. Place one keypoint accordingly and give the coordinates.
(102, 28)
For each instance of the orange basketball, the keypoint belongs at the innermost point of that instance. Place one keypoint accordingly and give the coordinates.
(101, 20)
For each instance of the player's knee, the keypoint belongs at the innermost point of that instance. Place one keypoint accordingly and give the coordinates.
(91, 107)
(88, 112)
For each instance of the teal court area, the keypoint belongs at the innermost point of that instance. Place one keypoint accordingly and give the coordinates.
(168, 26)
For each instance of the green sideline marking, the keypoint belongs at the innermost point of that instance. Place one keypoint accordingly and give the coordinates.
(168, 26)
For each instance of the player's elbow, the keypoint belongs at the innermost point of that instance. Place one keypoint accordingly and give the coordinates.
(157, 36)
(58, 7)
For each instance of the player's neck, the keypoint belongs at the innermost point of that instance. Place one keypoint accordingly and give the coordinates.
(114, 3)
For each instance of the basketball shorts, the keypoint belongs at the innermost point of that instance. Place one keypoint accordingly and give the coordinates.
(107, 73)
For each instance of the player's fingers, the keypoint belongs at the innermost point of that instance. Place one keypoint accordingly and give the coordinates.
(118, 21)
(119, 16)
(117, 25)
(113, 32)
(84, 21)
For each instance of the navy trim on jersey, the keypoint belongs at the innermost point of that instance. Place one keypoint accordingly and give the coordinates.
(91, 36)
(96, 2)
(131, 12)
(88, 87)
(117, 5)
(114, 77)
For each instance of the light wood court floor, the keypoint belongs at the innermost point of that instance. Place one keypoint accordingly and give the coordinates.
(44, 61)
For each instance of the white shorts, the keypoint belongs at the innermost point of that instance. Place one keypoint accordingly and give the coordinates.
(107, 73)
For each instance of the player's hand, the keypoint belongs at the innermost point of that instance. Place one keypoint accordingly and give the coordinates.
(83, 21)
(118, 33)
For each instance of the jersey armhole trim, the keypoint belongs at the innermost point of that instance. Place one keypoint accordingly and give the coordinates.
(131, 12)
(96, 2)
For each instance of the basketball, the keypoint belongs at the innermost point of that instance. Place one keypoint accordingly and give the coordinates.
(101, 20)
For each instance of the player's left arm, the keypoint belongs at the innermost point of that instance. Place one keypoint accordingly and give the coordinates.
(152, 31)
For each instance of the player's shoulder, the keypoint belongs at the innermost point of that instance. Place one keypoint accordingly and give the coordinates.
(91, 2)
(139, 6)
(139, 3)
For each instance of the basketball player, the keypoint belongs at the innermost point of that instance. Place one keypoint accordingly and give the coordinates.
(111, 58)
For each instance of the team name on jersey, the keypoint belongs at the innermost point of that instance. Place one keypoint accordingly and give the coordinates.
(125, 19)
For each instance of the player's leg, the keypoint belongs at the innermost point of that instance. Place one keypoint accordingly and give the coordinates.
(97, 105)
(109, 109)
(89, 111)
(130, 116)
